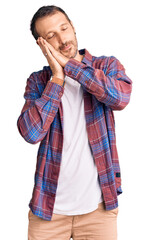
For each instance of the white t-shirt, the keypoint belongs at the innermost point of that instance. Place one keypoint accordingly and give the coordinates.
(78, 190)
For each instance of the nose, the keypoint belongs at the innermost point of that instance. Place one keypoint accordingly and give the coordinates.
(61, 39)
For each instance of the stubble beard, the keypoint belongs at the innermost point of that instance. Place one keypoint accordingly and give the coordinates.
(71, 53)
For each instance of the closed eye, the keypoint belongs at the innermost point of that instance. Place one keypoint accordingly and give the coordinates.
(51, 36)
(63, 29)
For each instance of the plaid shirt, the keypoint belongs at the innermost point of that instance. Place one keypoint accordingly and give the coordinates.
(106, 87)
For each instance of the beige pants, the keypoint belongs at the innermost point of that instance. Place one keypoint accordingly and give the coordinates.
(97, 225)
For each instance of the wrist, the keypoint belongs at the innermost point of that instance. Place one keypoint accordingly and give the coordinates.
(60, 76)
(60, 81)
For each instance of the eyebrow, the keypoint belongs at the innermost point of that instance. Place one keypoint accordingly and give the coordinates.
(59, 26)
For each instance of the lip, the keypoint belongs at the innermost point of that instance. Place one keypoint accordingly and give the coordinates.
(67, 48)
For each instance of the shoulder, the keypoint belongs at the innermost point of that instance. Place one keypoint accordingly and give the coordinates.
(104, 62)
(104, 59)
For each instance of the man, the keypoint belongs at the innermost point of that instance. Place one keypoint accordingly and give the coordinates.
(69, 110)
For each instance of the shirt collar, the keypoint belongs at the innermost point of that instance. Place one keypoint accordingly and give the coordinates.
(87, 59)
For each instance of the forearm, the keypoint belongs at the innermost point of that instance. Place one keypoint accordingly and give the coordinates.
(112, 89)
(37, 115)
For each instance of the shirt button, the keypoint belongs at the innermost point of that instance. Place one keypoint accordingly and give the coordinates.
(86, 82)
(69, 72)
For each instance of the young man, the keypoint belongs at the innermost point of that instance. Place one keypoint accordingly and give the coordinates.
(69, 109)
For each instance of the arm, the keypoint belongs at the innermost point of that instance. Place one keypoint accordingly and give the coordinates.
(112, 88)
(39, 111)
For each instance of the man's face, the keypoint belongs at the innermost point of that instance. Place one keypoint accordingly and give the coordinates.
(59, 32)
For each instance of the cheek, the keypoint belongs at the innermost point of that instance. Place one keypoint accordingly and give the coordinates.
(74, 38)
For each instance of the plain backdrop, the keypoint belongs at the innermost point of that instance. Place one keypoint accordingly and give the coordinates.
(111, 28)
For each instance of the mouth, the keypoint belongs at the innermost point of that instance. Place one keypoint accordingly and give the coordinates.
(66, 48)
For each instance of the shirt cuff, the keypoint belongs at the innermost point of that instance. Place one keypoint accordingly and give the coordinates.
(53, 90)
(73, 68)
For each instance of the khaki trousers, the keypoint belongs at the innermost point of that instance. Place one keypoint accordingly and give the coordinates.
(97, 225)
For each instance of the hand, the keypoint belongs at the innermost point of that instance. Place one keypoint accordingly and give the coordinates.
(61, 59)
(57, 69)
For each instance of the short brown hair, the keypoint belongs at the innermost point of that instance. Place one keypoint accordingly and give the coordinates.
(42, 12)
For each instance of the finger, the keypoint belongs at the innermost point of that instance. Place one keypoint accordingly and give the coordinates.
(40, 44)
(44, 42)
(47, 52)
(50, 52)
(53, 51)
(43, 47)
(51, 48)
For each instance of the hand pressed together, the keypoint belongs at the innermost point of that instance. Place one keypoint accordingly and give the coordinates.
(56, 60)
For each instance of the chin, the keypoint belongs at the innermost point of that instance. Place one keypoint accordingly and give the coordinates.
(74, 54)
(70, 53)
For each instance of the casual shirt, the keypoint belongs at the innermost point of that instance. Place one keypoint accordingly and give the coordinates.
(78, 189)
(106, 88)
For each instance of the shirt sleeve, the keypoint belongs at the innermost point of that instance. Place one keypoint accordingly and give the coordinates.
(112, 87)
(38, 111)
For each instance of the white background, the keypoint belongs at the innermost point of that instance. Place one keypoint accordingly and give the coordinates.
(110, 27)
